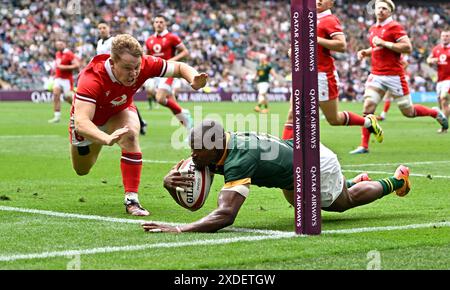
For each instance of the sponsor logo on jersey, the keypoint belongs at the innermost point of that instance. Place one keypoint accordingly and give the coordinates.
(119, 101)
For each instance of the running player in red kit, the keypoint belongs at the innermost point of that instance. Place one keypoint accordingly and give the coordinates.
(168, 46)
(388, 41)
(330, 37)
(66, 63)
(440, 57)
(103, 112)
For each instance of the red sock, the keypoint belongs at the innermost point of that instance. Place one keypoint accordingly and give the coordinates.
(288, 132)
(387, 105)
(131, 167)
(421, 111)
(173, 106)
(352, 119)
(365, 136)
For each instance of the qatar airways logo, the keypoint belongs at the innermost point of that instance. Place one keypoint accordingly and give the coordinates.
(119, 101)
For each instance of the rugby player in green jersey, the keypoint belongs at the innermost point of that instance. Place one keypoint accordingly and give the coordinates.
(248, 159)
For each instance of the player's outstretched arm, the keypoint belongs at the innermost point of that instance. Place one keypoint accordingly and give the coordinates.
(84, 113)
(224, 215)
(191, 75)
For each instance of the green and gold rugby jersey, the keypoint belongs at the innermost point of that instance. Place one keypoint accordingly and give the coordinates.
(262, 160)
(262, 73)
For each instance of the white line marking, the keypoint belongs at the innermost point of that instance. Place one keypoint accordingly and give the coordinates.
(14, 257)
(8, 258)
(391, 173)
(396, 164)
(124, 220)
(75, 216)
(387, 228)
(348, 165)
(29, 136)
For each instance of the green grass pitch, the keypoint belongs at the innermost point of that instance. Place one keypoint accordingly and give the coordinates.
(36, 174)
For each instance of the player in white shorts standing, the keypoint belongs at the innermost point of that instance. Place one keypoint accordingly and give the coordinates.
(440, 57)
(388, 41)
(65, 63)
(168, 46)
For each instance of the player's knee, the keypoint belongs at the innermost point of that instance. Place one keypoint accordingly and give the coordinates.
(372, 96)
(262, 97)
(161, 97)
(443, 99)
(131, 137)
(81, 171)
(406, 106)
(333, 120)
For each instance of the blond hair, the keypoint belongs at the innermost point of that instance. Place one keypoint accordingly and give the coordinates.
(388, 2)
(125, 43)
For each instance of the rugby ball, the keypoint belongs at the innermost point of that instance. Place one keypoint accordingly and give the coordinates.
(194, 197)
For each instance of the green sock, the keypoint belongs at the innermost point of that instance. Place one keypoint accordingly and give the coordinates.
(390, 184)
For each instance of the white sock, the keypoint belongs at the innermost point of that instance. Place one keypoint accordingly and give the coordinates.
(131, 196)
(182, 116)
(58, 115)
(367, 122)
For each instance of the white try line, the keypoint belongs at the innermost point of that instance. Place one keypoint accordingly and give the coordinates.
(124, 220)
(348, 165)
(103, 250)
(390, 173)
(29, 136)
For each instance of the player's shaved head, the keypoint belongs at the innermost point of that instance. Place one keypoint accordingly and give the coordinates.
(209, 134)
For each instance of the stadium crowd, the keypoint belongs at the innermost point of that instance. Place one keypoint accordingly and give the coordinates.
(222, 37)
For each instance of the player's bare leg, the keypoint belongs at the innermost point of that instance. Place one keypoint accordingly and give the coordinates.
(371, 99)
(131, 160)
(84, 158)
(68, 97)
(263, 104)
(365, 192)
(57, 91)
(445, 107)
(411, 110)
(183, 115)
